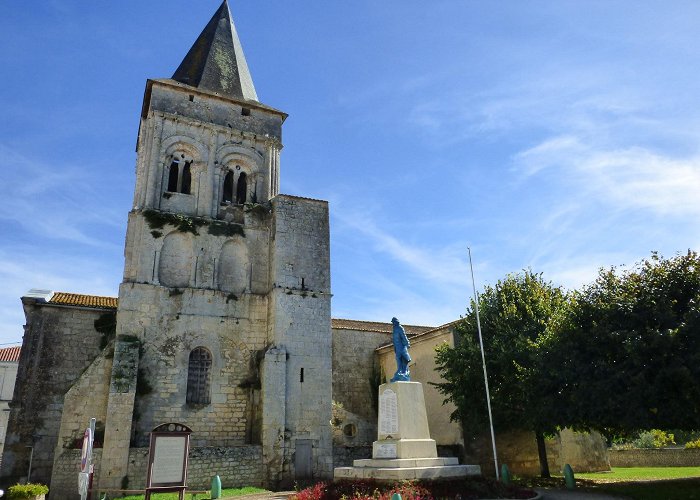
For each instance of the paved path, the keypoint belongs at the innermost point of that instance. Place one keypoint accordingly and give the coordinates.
(553, 494)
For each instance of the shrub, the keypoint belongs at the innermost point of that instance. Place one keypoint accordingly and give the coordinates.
(29, 490)
(692, 445)
(654, 438)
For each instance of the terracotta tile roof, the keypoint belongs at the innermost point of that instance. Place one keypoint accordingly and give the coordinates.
(428, 331)
(76, 299)
(10, 353)
(375, 326)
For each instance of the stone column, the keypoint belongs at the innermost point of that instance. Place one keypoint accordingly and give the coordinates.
(120, 411)
(274, 389)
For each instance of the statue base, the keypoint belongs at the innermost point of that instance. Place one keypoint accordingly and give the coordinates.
(403, 449)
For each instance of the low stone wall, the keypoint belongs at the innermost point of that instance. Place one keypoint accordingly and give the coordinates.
(64, 476)
(665, 457)
(344, 455)
(237, 466)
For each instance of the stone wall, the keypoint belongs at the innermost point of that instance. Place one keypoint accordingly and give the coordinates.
(64, 481)
(8, 375)
(354, 370)
(85, 400)
(237, 466)
(343, 456)
(59, 344)
(665, 457)
(300, 324)
(171, 326)
(585, 452)
(516, 449)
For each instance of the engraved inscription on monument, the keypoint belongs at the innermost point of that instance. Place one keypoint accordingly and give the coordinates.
(388, 413)
(169, 459)
(386, 450)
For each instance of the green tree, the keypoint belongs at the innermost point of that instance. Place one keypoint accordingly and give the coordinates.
(515, 314)
(627, 348)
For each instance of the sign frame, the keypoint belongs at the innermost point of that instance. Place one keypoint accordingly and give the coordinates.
(172, 437)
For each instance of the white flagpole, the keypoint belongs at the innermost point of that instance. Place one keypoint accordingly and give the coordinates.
(483, 362)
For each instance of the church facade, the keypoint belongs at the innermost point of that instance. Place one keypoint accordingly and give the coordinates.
(223, 318)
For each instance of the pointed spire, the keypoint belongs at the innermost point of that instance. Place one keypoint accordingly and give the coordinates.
(216, 61)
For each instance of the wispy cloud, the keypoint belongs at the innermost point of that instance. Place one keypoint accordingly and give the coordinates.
(631, 178)
(443, 265)
(52, 200)
(22, 268)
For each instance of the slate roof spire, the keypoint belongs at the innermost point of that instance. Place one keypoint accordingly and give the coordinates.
(216, 62)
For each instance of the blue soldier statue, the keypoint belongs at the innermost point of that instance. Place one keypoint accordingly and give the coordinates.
(401, 345)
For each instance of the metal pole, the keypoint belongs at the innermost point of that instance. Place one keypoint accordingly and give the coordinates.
(91, 469)
(483, 362)
(29, 471)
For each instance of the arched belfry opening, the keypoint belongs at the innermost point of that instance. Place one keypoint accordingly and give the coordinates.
(180, 176)
(241, 188)
(227, 196)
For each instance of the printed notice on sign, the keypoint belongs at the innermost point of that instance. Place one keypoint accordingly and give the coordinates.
(387, 450)
(388, 413)
(169, 460)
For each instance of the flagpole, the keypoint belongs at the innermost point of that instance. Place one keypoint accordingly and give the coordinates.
(483, 362)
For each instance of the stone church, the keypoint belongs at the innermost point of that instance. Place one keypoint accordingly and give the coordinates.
(223, 320)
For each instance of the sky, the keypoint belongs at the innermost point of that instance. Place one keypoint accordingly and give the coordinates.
(560, 136)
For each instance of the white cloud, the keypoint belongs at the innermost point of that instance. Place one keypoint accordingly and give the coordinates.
(622, 179)
(53, 200)
(442, 265)
(25, 268)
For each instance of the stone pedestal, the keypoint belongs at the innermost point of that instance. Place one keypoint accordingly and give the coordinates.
(403, 449)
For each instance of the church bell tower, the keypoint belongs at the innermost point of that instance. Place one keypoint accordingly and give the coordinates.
(224, 309)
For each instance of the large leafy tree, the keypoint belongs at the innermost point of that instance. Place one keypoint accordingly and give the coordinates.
(627, 347)
(515, 314)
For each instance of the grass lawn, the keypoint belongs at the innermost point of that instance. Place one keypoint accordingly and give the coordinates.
(669, 489)
(225, 493)
(638, 483)
(645, 483)
(641, 474)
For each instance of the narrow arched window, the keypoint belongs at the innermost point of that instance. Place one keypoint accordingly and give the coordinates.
(186, 178)
(241, 189)
(228, 188)
(173, 176)
(199, 377)
(180, 177)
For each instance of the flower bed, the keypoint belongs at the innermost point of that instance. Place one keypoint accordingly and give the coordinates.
(465, 489)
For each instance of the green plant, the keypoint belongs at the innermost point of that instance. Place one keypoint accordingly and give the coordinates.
(692, 445)
(129, 339)
(654, 438)
(29, 490)
(225, 229)
(157, 220)
(106, 324)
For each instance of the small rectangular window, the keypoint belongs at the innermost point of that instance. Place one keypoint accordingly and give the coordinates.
(245, 111)
(301, 376)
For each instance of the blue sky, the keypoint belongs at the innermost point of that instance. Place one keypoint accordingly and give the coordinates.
(556, 135)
